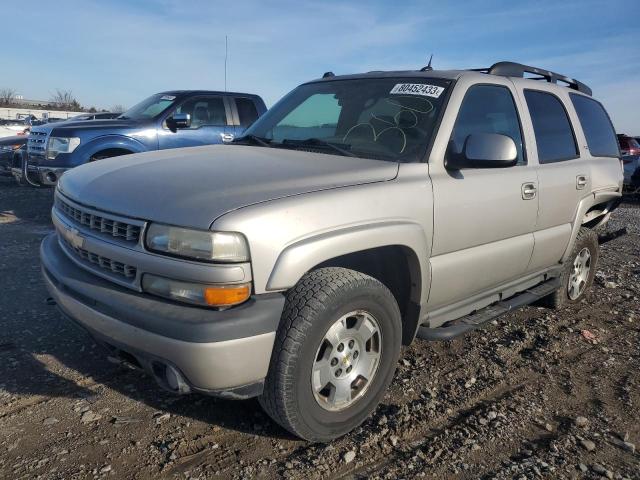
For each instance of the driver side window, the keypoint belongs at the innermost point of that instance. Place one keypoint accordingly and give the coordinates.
(487, 109)
(204, 111)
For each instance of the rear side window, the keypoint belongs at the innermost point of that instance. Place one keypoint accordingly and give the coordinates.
(596, 125)
(246, 111)
(554, 135)
(487, 109)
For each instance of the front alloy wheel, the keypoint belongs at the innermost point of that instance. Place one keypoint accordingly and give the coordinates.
(347, 360)
(335, 353)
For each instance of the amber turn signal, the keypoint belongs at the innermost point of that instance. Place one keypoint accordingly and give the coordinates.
(206, 295)
(227, 295)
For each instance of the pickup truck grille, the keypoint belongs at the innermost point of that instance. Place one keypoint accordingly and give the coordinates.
(119, 268)
(37, 144)
(102, 224)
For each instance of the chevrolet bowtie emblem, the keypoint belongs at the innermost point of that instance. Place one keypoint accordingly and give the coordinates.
(74, 238)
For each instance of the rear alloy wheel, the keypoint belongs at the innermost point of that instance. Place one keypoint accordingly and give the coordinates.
(335, 353)
(579, 270)
(579, 276)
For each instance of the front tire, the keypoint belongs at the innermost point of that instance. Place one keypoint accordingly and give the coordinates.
(579, 271)
(335, 354)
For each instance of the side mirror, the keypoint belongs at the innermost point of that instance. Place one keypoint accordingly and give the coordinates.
(485, 150)
(178, 120)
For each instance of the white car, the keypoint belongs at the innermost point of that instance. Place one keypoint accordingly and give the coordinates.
(14, 129)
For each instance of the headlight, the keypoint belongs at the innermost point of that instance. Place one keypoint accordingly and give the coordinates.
(57, 145)
(224, 247)
(9, 148)
(197, 293)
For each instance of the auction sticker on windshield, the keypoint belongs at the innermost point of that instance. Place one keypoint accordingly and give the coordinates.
(418, 89)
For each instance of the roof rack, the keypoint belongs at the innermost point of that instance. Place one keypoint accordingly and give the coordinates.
(512, 69)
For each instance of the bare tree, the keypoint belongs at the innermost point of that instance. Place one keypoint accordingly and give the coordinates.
(117, 108)
(7, 95)
(65, 99)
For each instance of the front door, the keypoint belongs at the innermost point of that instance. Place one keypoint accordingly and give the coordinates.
(209, 123)
(483, 217)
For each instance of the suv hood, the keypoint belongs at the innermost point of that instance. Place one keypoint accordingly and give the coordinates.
(191, 187)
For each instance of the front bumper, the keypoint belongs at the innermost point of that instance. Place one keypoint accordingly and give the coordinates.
(224, 353)
(48, 176)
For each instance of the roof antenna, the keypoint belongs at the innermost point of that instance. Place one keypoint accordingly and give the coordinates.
(226, 53)
(428, 68)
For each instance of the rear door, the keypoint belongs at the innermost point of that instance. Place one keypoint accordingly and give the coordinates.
(211, 122)
(483, 217)
(564, 178)
(600, 148)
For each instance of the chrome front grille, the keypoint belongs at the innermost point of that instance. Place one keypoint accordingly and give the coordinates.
(37, 143)
(100, 223)
(119, 268)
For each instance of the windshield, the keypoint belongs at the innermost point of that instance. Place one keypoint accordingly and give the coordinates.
(388, 119)
(150, 107)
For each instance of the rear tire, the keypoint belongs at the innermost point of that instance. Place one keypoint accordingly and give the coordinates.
(316, 387)
(578, 271)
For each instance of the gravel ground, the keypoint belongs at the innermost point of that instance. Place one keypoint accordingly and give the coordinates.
(536, 394)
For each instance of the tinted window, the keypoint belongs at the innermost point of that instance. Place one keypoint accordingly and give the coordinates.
(204, 111)
(551, 126)
(596, 126)
(487, 109)
(246, 111)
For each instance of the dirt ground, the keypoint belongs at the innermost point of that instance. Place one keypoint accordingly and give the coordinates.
(536, 394)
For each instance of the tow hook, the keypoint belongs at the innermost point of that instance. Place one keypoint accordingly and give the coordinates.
(50, 301)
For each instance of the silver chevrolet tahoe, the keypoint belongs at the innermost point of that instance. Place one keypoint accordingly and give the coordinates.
(360, 212)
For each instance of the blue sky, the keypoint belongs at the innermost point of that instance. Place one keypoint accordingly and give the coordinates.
(117, 52)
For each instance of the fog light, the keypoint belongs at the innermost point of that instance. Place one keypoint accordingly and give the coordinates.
(225, 295)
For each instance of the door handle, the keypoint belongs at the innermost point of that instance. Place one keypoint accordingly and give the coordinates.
(529, 191)
(581, 182)
(227, 137)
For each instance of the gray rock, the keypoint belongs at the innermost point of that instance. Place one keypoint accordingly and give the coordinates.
(163, 417)
(588, 445)
(349, 457)
(581, 422)
(629, 447)
(49, 421)
(89, 416)
(582, 467)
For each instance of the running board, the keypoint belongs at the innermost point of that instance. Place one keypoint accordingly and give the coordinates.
(474, 320)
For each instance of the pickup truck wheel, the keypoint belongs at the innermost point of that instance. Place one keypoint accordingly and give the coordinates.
(579, 270)
(335, 354)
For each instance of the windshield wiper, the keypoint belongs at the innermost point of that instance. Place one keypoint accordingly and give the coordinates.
(318, 142)
(263, 142)
(122, 117)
